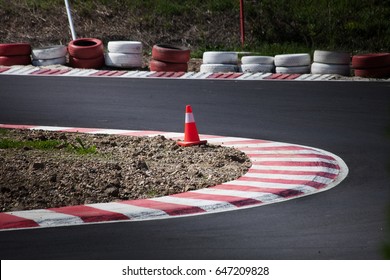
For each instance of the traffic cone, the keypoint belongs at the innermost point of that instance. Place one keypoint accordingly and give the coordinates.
(191, 136)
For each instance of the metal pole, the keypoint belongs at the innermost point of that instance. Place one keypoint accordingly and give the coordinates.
(70, 20)
(242, 23)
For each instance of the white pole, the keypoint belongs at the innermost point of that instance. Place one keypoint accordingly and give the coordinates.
(70, 20)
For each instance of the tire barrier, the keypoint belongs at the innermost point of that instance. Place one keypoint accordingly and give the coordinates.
(51, 55)
(167, 58)
(86, 53)
(298, 63)
(257, 64)
(219, 62)
(15, 54)
(375, 65)
(331, 62)
(124, 54)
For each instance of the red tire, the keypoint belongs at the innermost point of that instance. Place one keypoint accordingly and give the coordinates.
(15, 60)
(86, 48)
(161, 66)
(15, 49)
(92, 63)
(171, 54)
(380, 73)
(372, 60)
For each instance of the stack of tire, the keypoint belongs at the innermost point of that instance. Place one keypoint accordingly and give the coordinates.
(298, 63)
(86, 53)
(51, 55)
(257, 64)
(331, 62)
(124, 54)
(167, 58)
(15, 54)
(219, 62)
(375, 65)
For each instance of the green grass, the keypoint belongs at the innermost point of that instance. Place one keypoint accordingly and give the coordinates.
(79, 148)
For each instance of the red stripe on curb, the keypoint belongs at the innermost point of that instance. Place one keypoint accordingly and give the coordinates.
(17, 126)
(291, 172)
(4, 69)
(99, 73)
(178, 74)
(273, 76)
(214, 76)
(297, 163)
(235, 200)
(118, 73)
(89, 214)
(255, 141)
(283, 181)
(293, 76)
(276, 148)
(11, 221)
(319, 156)
(235, 75)
(40, 72)
(169, 208)
(157, 75)
(280, 192)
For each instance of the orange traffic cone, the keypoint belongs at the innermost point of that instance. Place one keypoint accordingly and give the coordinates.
(191, 136)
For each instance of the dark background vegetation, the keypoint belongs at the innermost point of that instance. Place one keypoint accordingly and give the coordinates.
(272, 26)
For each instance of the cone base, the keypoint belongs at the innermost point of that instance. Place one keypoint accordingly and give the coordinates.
(191, 143)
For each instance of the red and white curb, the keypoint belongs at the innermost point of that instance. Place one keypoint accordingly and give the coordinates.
(61, 71)
(279, 172)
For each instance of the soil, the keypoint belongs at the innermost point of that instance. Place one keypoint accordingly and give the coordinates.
(120, 168)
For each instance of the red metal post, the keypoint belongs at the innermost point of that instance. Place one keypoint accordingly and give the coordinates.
(242, 23)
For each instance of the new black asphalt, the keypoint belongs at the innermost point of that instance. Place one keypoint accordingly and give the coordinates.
(348, 118)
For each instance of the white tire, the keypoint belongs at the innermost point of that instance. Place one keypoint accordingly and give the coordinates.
(257, 60)
(293, 70)
(216, 68)
(298, 59)
(329, 57)
(323, 68)
(123, 60)
(256, 68)
(220, 58)
(128, 47)
(49, 52)
(47, 62)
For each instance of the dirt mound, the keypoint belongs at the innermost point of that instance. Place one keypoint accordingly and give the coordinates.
(41, 169)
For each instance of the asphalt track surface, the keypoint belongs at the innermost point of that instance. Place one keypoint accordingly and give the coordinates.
(349, 119)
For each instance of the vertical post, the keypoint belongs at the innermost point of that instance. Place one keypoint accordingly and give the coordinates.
(70, 20)
(242, 23)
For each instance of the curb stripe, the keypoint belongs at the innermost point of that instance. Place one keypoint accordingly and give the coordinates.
(279, 192)
(89, 214)
(169, 208)
(9, 221)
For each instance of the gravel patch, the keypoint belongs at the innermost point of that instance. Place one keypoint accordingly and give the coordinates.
(116, 168)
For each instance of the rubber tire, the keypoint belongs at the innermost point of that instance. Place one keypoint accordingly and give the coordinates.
(293, 70)
(15, 60)
(257, 60)
(372, 60)
(86, 48)
(162, 66)
(46, 62)
(16, 49)
(123, 60)
(323, 68)
(220, 58)
(332, 57)
(50, 52)
(257, 68)
(128, 47)
(218, 68)
(379, 73)
(92, 63)
(172, 54)
(288, 60)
